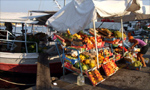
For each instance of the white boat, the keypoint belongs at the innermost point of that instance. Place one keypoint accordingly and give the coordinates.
(13, 59)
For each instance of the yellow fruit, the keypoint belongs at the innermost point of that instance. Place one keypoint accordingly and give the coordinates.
(68, 32)
(87, 61)
(90, 73)
(93, 62)
(92, 65)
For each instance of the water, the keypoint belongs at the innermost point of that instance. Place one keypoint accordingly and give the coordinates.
(16, 81)
(19, 81)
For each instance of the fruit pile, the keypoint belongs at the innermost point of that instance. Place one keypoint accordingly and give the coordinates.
(86, 64)
(78, 39)
(104, 31)
(110, 68)
(95, 76)
(88, 60)
(118, 34)
(136, 64)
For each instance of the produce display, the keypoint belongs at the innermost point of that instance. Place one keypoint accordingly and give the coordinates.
(118, 34)
(132, 62)
(136, 64)
(109, 36)
(83, 57)
(78, 40)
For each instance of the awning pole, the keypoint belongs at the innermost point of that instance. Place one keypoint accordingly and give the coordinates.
(96, 43)
(122, 36)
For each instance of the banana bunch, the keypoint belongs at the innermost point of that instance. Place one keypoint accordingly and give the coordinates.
(87, 40)
(68, 32)
(76, 35)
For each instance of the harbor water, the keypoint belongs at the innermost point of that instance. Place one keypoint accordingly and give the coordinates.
(16, 81)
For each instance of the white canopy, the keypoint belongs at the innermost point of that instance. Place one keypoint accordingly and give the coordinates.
(76, 15)
(143, 13)
(19, 21)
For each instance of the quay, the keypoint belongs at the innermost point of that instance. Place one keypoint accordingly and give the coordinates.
(123, 79)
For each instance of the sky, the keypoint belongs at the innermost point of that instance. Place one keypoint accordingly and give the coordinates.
(26, 5)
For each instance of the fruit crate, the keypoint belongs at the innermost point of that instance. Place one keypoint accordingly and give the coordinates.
(70, 67)
(95, 77)
(133, 68)
(110, 68)
(116, 41)
(73, 61)
(110, 39)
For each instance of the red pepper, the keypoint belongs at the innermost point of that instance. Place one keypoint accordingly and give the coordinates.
(124, 48)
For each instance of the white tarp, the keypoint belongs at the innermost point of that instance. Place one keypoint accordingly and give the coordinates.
(143, 13)
(76, 15)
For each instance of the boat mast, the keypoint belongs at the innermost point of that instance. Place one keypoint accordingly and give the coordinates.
(57, 4)
(64, 2)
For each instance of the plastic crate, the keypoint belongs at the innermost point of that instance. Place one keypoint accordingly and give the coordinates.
(133, 68)
(109, 39)
(73, 61)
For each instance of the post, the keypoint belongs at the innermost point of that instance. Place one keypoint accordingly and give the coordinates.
(64, 2)
(122, 36)
(43, 81)
(96, 43)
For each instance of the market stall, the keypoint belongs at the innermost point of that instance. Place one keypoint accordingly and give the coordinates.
(79, 55)
(73, 18)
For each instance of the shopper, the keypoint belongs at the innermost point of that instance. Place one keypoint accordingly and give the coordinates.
(8, 26)
(143, 48)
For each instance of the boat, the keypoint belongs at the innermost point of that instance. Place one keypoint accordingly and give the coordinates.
(16, 54)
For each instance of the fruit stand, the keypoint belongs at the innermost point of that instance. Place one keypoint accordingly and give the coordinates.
(79, 55)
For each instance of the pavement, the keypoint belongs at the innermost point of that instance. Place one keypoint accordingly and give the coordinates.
(123, 79)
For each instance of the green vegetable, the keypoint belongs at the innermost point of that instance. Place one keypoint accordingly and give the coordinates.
(77, 65)
(118, 34)
(85, 67)
(136, 64)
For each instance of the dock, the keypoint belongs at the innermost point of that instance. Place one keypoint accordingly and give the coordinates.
(123, 79)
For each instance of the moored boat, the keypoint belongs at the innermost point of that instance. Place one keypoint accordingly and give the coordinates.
(26, 62)
(17, 54)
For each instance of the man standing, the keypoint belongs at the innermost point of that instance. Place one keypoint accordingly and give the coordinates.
(8, 26)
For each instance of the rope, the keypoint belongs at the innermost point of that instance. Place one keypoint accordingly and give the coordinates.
(40, 5)
(14, 82)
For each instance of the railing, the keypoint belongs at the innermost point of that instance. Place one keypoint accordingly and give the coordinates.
(8, 42)
(21, 41)
(8, 34)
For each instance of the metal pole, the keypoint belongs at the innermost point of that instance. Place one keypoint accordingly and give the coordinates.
(7, 35)
(26, 38)
(96, 43)
(15, 28)
(122, 36)
(64, 2)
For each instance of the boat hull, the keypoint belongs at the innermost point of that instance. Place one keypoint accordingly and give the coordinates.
(29, 68)
(25, 63)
